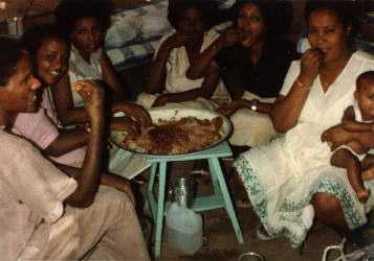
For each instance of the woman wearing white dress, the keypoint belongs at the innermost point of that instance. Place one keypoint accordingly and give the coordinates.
(283, 181)
(168, 82)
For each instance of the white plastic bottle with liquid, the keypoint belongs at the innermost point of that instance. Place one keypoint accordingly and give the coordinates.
(184, 229)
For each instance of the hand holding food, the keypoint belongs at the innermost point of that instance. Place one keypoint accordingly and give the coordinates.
(92, 94)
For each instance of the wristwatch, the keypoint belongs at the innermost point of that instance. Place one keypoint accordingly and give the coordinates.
(253, 105)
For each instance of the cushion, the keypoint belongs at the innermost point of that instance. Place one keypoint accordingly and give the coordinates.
(138, 25)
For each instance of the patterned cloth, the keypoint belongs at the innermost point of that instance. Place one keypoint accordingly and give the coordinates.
(281, 177)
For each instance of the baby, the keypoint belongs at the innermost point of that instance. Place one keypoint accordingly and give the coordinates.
(360, 117)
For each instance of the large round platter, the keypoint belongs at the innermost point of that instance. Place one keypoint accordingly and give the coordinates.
(158, 114)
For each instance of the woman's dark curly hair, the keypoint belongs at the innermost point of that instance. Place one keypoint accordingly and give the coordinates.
(346, 12)
(68, 12)
(208, 9)
(277, 15)
(11, 51)
(34, 37)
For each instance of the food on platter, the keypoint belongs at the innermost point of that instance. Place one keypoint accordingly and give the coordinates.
(170, 137)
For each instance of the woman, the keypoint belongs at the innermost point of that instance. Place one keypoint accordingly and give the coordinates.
(285, 177)
(84, 24)
(253, 60)
(168, 82)
(49, 52)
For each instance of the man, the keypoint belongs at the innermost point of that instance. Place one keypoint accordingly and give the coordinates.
(48, 214)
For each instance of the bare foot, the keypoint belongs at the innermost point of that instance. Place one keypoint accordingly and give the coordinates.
(368, 174)
(362, 195)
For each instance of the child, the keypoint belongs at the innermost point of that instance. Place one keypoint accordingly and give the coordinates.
(359, 117)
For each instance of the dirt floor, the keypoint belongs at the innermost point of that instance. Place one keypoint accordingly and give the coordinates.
(219, 239)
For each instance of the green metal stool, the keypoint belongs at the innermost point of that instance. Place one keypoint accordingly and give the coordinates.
(220, 199)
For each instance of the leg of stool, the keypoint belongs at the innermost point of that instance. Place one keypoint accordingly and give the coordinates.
(160, 207)
(215, 169)
(150, 196)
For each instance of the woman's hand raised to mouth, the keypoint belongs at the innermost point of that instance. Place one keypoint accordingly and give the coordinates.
(310, 65)
(229, 37)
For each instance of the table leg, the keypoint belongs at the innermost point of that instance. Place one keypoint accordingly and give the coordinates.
(215, 169)
(150, 196)
(160, 207)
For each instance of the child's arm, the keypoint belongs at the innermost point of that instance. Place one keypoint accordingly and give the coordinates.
(357, 147)
(368, 162)
(349, 114)
(368, 167)
(344, 158)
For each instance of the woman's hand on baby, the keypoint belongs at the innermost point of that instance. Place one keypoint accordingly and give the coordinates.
(349, 125)
(336, 135)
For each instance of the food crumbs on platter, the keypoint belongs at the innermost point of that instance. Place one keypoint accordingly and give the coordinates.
(170, 137)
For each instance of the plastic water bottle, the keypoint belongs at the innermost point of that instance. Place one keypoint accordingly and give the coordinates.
(184, 229)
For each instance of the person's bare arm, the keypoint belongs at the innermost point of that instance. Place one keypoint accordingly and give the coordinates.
(200, 65)
(349, 122)
(107, 179)
(343, 158)
(357, 147)
(67, 113)
(90, 175)
(349, 114)
(368, 162)
(133, 111)
(286, 109)
(338, 135)
(67, 141)
(111, 79)
(156, 82)
(157, 74)
(231, 108)
(206, 90)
